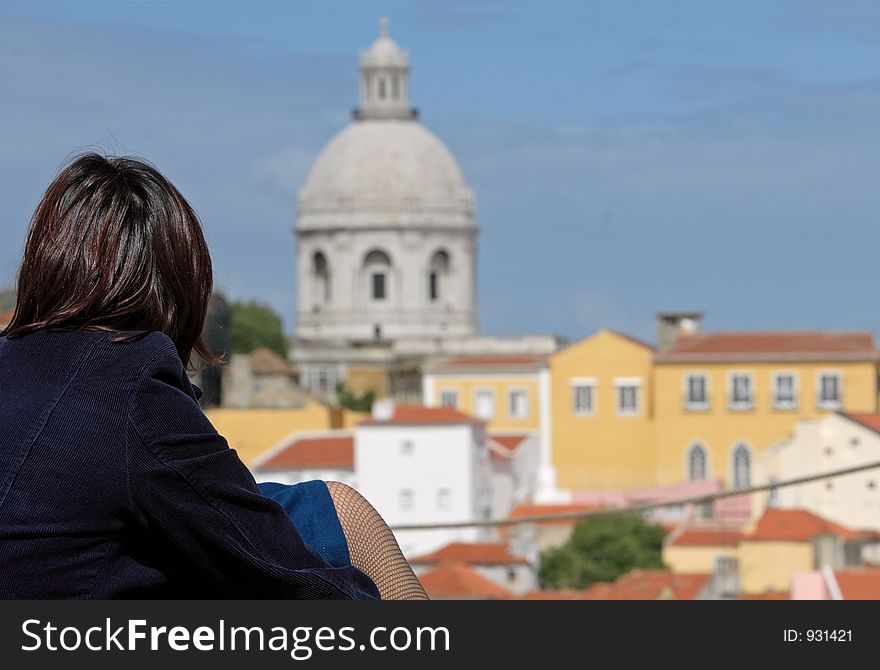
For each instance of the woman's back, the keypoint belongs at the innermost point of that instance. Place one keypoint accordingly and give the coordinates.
(62, 460)
(113, 483)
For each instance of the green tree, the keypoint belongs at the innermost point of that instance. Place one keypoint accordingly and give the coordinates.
(351, 400)
(601, 549)
(253, 325)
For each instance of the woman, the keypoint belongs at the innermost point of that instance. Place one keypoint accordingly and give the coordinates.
(113, 483)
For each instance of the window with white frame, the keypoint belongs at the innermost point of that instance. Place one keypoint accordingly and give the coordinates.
(829, 390)
(741, 390)
(697, 467)
(742, 467)
(784, 390)
(518, 403)
(444, 498)
(406, 499)
(449, 398)
(484, 404)
(696, 391)
(628, 392)
(583, 396)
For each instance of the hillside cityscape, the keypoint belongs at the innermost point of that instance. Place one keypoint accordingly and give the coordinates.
(698, 465)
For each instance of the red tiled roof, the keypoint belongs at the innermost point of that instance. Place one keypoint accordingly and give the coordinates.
(796, 525)
(331, 451)
(458, 581)
(871, 421)
(859, 583)
(510, 442)
(650, 585)
(419, 414)
(505, 445)
(496, 362)
(598, 591)
(703, 537)
(772, 345)
(478, 553)
(529, 509)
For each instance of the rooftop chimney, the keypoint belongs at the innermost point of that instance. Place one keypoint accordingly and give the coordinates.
(383, 409)
(672, 324)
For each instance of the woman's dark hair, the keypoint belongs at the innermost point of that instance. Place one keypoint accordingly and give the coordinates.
(113, 245)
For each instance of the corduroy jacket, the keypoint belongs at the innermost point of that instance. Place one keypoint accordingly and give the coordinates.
(113, 483)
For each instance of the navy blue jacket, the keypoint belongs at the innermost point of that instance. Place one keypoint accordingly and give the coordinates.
(113, 483)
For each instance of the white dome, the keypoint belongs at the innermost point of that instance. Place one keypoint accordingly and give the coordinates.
(386, 165)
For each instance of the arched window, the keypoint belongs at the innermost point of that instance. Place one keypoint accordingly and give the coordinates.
(321, 272)
(742, 467)
(395, 87)
(378, 267)
(697, 463)
(437, 273)
(381, 88)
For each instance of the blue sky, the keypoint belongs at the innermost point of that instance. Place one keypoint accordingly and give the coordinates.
(627, 156)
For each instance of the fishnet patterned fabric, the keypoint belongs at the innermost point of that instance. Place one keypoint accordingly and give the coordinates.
(373, 547)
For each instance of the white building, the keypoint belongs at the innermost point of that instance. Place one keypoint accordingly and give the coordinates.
(386, 249)
(386, 236)
(415, 464)
(832, 442)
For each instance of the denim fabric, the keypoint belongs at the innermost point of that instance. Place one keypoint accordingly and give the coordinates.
(311, 509)
(113, 483)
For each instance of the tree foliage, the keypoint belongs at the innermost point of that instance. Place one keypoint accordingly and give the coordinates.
(351, 400)
(601, 549)
(253, 325)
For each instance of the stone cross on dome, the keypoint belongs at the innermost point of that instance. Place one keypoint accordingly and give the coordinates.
(384, 79)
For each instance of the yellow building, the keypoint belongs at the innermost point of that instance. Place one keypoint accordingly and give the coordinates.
(252, 432)
(504, 391)
(784, 542)
(602, 413)
(511, 393)
(705, 550)
(723, 398)
(767, 554)
(626, 416)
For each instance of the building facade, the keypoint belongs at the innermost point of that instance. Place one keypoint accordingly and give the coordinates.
(386, 249)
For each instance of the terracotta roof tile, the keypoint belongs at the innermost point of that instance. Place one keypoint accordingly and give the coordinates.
(331, 451)
(510, 442)
(871, 421)
(650, 585)
(796, 525)
(772, 345)
(700, 537)
(859, 583)
(458, 581)
(477, 553)
(418, 414)
(529, 509)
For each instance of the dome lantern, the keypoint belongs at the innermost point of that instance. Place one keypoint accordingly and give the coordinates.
(384, 80)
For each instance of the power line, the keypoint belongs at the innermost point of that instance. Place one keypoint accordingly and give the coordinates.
(634, 509)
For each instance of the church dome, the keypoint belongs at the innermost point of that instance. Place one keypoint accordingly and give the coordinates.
(385, 169)
(385, 164)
